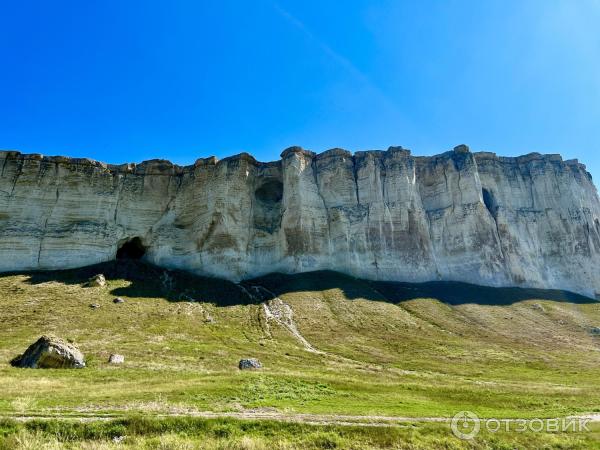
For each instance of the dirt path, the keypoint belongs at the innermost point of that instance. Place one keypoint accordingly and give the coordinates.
(312, 419)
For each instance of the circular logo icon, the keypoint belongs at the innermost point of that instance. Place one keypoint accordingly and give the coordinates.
(465, 425)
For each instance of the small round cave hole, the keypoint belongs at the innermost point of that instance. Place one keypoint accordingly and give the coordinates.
(131, 249)
(270, 192)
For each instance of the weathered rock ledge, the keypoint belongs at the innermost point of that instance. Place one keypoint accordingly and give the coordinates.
(531, 220)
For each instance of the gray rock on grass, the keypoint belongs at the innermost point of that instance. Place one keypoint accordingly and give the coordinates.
(97, 281)
(539, 307)
(250, 363)
(50, 352)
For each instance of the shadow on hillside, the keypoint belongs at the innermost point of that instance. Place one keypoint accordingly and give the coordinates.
(455, 293)
(450, 292)
(148, 281)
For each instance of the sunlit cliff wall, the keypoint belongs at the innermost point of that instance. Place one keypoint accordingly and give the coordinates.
(531, 221)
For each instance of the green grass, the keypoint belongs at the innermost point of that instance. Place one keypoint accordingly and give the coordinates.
(389, 349)
(180, 433)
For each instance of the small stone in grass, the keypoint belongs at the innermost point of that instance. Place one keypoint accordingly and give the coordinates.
(116, 359)
(97, 281)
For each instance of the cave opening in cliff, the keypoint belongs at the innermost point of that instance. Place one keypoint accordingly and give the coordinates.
(490, 202)
(270, 192)
(131, 249)
(267, 208)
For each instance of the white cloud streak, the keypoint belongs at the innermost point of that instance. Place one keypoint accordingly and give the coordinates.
(341, 60)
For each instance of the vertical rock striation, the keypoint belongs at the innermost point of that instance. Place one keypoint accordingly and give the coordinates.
(531, 221)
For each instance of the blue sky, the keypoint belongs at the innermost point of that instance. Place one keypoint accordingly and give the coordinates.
(131, 80)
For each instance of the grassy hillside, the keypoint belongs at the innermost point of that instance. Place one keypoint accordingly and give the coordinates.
(390, 349)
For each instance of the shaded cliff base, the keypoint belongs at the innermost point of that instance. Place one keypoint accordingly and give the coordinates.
(150, 281)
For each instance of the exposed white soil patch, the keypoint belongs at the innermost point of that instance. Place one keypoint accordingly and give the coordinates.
(276, 310)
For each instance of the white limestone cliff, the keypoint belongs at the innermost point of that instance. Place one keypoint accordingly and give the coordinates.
(529, 221)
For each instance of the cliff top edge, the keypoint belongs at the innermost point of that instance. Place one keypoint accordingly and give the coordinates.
(162, 165)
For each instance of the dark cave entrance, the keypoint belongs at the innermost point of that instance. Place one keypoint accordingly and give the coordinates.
(267, 208)
(490, 202)
(131, 249)
(270, 193)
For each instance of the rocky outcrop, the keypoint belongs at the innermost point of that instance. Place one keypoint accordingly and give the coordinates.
(50, 352)
(249, 364)
(529, 221)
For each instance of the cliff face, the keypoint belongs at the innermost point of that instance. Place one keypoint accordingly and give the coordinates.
(475, 217)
